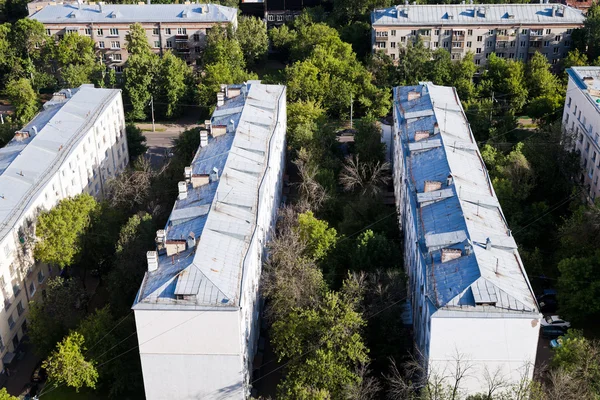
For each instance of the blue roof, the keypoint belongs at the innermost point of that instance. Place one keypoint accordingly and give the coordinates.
(455, 207)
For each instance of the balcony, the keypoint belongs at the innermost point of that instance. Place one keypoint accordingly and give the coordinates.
(182, 38)
(381, 38)
(182, 50)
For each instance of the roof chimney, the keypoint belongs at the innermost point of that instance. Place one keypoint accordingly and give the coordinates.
(214, 175)
(187, 172)
(468, 249)
(152, 257)
(100, 6)
(488, 244)
(191, 240)
(34, 129)
(182, 186)
(220, 99)
(436, 128)
(449, 180)
(207, 125)
(203, 138)
(554, 11)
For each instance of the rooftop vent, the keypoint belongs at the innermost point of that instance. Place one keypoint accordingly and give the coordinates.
(481, 12)
(152, 257)
(233, 92)
(220, 99)
(436, 128)
(187, 172)
(420, 135)
(488, 244)
(203, 138)
(214, 174)
(431, 186)
(191, 240)
(468, 249)
(160, 236)
(208, 125)
(449, 180)
(182, 186)
(588, 80)
(450, 254)
(413, 95)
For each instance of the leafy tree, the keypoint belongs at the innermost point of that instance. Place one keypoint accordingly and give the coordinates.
(580, 357)
(61, 310)
(413, 63)
(462, 76)
(5, 396)
(440, 67)
(351, 10)
(172, 78)
(7, 132)
(544, 89)
(323, 346)
(135, 142)
(317, 234)
(367, 141)
(304, 118)
(138, 79)
(358, 34)
(382, 67)
(579, 286)
(252, 36)
(22, 96)
(367, 178)
(575, 58)
(59, 231)
(374, 251)
(27, 34)
(137, 41)
(67, 364)
(591, 27)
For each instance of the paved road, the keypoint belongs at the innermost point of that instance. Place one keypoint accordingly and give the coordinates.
(159, 141)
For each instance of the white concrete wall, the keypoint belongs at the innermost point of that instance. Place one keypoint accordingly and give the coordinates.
(190, 354)
(99, 155)
(581, 118)
(507, 345)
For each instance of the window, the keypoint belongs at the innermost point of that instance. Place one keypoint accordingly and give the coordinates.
(435, 45)
(48, 32)
(412, 32)
(381, 33)
(88, 31)
(279, 18)
(557, 38)
(437, 32)
(548, 31)
(403, 39)
(20, 308)
(169, 44)
(512, 44)
(113, 32)
(197, 37)
(2, 347)
(480, 38)
(456, 45)
(523, 43)
(470, 32)
(445, 45)
(478, 61)
(569, 31)
(567, 43)
(556, 49)
(381, 45)
(426, 32)
(168, 31)
(115, 45)
(181, 31)
(487, 55)
(393, 32)
(537, 32)
(579, 116)
(99, 32)
(566, 119)
(447, 32)
(101, 45)
(155, 31)
(469, 44)
(489, 43)
(41, 277)
(524, 31)
(491, 32)
(117, 57)
(156, 44)
(270, 17)
(393, 45)
(393, 56)
(546, 43)
(31, 289)
(11, 322)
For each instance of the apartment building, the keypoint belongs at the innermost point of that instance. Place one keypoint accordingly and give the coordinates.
(197, 310)
(181, 28)
(581, 122)
(469, 296)
(512, 31)
(73, 146)
(582, 5)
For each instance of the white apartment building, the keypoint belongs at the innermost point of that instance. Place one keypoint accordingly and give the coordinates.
(512, 31)
(469, 295)
(181, 28)
(581, 121)
(197, 309)
(71, 147)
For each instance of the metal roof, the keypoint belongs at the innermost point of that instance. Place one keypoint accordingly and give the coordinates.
(221, 214)
(131, 13)
(587, 80)
(27, 165)
(455, 207)
(476, 14)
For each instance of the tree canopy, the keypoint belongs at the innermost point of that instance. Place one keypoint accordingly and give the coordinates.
(67, 364)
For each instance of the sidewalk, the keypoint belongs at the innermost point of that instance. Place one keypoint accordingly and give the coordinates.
(21, 370)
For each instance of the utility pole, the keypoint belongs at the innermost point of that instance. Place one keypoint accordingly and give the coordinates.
(492, 107)
(152, 104)
(351, 110)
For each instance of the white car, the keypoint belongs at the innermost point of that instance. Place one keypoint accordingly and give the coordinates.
(555, 320)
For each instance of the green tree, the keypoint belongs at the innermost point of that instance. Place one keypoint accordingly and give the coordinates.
(60, 230)
(591, 27)
(351, 10)
(304, 118)
(138, 79)
(137, 40)
(579, 287)
(374, 251)
(135, 142)
(171, 82)
(67, 364)
(575, 58)
(22, 96)
(317, 234)
(323, 346)
(252, 36)
(545, 90)
(440, 67)
(5, 396)
(27, 34)
(367, 141)
(61, 310)
(413, 63)
(581, 358)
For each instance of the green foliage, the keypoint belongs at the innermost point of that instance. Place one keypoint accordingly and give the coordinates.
(374, 251)
(7, 132)
(135, 142)
(252, 36)
(137, 40)
(545, 91)
(317, 234)
(5, 396)
(173, 76)
(59, 231)
(22, 96)
(414, 63)
(351, 10)
(67, 364)
(591, 28)
(358, 34)
(26, 35)
(304, 118)
(367, 141)
(579, 287)
(138, 79)
(575, 58)
(323, 346)
(61, 310)
(580, 357)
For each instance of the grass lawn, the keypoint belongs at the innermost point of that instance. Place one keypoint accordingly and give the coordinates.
(66, 393)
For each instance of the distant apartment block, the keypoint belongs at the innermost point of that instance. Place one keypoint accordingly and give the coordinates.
(582, 5)
(181, 28)
(197, 310)
(469, 295)
(73, 146)
(512, 31)
(581, 120)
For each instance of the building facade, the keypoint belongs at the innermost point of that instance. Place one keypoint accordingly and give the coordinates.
(181, 28)
(512, 31)
(581, 123)
(197, 310)
(73, 146)
(469, 296)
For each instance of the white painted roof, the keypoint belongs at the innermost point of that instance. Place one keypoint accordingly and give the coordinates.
(26, 166)
(470, 14)
(131, 13)
(221, 214)
(587, 80)
(463, 214)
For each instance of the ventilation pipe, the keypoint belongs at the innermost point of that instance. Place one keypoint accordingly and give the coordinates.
(182, 186)
(152, 257)
(488, 244)
(203, 138)
(214, 174)
(187, 172)
(191, 240)
(220, 99)
(449, 180)
(208, 126)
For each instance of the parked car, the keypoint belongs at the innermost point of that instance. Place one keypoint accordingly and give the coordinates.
(552, 332)
(554, 343)
(548, 301)
(555, 320)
